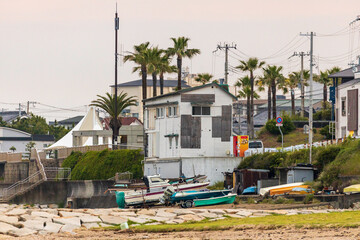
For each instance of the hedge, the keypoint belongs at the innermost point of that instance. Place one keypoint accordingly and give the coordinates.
(104, 164)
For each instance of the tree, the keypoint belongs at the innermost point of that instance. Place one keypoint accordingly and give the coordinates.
(33, 125)
(140, 57)
(244, 84)
(2, 123)
(107, 103)
(154, 55)
(181, 50)
(297, 77)
(324, 79)
(292, 83)
(262, 83)
(13, 149)
(29, 146)
(58, 131)
(203, 78)
(251, 65)
(165, 67)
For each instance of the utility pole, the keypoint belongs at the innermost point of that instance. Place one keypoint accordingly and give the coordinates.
(302, 88)
(19, 109)
(28, 107)
(312, 34)
(226, 47)
(116, 125)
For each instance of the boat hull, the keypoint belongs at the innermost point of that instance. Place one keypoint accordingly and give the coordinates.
(184, 196)
(228, 199)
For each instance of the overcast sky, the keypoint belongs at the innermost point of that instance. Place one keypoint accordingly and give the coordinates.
(61, 53)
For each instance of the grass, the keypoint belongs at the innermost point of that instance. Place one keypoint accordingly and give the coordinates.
(293, 138)
(321, 220)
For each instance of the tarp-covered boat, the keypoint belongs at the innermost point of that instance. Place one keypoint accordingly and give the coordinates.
(352, 189)
(288, 190)
(264, 191)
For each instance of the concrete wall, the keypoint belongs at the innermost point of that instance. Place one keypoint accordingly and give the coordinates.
(212, 167)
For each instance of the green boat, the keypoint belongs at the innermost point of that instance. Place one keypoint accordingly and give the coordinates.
(228, 199)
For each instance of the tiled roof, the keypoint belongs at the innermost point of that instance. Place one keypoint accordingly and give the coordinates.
(125, 121)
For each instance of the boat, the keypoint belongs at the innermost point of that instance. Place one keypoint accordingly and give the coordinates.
(250, 191)
(183, 197)
(352, 189)
(287, 190)
(265, 191)
(154, 190)
(227, 199)
(301, 190)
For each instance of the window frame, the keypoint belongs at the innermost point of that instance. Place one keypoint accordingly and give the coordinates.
(343, 106)
(201, 110)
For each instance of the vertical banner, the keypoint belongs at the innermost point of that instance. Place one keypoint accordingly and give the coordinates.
(235, 147)
(243, 144)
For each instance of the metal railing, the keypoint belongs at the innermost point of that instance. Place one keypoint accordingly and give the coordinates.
(33, 180)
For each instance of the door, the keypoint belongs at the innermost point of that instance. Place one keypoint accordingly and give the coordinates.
(352, 114)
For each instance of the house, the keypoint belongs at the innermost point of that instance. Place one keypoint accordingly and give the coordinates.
(9, 116)
(190, 132)
(68, 123)
(299, 173)
(347, 107)
(10, 137)
(134, 88)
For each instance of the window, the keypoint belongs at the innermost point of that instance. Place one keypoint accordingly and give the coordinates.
(201, 111)
(170, 142)
(135, 115)
(343, 106)
(172, 111)
(176, 142)
(159, 112)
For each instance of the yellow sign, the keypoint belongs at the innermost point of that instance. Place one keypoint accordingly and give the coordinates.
(243, 145)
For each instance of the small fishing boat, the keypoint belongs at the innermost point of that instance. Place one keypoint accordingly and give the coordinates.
(265, 191)
(250, 191)
(286, 190)
(301, 190)
(227, 199)
(352, 189)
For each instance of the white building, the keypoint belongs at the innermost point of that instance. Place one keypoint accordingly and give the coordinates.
(10, 137)
(348, 108)
(190, 132)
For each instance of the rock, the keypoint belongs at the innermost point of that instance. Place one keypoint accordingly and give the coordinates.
(52, 227)
(89, 219)
(98, 212)
(199, 210)
(208, 215)
(260, 214)
(244, 213)
(5, 228)
(153, 223)
(90, 225)
(71, 214)
(182, 211)
(19, 232)
(112, 220)
(178, 220)
(16, 212)
(68, 228)
(138, 220)
(217, 211)
(191, 217)
(9, 219)
(124, 214)
(234, 215)
(68, 220)
(44, 206)
(51, 211)
(104, 225)
(34, 224)
(159, 219)
(53, 206)
(162, 213)
(148, 212)
(42, 214)
(231, 211)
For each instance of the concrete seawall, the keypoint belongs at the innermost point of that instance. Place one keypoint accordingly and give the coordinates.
(83, 194)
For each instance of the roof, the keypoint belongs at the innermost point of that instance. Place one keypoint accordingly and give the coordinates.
(346, 73)
(10, 116)
(349, 83)
(136, 83)
(256, 101)
(42, 137)
(72, 120)
(189, 90)
(125, 121)
(284, 103)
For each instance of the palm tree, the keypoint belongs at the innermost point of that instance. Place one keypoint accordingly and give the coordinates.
(297, 78)
(141, 58)
(324, 79)
(275, 76)
(251, 65)
(244, 84)
(165, 67)
(292, 83)
(262, 83)
(203, 78)
(154, 55)
(107, 103)
(181, 50)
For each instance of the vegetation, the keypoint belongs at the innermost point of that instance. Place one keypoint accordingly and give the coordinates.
(203, 78)
(287, 127)
(320, 220)
(104, 164)
(181, 50)
(324, 79)
(107, 103)
(251, 65)
(12, 148)
(219, 185)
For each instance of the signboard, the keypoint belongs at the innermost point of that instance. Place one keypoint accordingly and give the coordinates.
(332, 94)
(243, 144)
(279, 120)
(279, 124)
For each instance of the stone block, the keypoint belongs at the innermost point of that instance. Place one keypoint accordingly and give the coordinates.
(112, 220)
(34, 224)
(123, 214)
(163, 213)
(20, 232)
(90, 225)
(138, 220)
(5, 228)
(191, 217)
(71, 214)
(68, 220)
(244, 213)
(9, 219)
(42, 214)
(235, 215)
(16, 212)
(208, 215)
(217, 211)
(149, 212)
(182, 211)
(68, 228)
(89, 219)
(52, 227)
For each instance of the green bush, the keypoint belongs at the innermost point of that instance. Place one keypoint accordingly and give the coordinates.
(326, 156)
(104, 164)
(72, 160)
(324, 114)
(287, 127)
(325, 132)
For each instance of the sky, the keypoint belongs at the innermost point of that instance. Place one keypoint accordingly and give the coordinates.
(60, 53)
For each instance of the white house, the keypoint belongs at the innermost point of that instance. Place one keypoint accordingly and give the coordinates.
(348, 108)
(190, 132)
(10, 137)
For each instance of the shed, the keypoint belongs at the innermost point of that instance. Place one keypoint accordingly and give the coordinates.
(296, 174)
(245, 178)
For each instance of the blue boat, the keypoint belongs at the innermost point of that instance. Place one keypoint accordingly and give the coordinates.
(184, 196)
(250, 191)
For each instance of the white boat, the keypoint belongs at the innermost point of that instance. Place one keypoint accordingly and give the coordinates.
(264, 191)
(155, 187)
